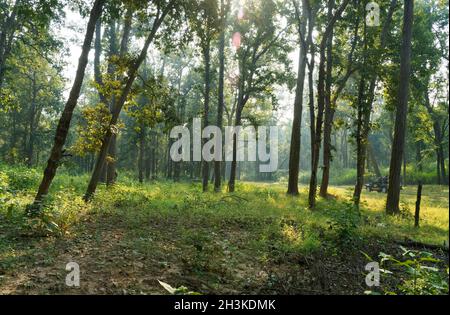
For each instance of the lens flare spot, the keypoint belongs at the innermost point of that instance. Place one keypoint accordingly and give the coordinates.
(237, 40)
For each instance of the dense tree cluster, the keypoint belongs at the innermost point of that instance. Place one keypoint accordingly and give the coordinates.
(363, 100)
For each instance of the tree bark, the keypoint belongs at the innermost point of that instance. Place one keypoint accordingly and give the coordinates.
(329, 113)
(221, 103)
(398, 146)
(141, 154)
(7, 31)
(97, 55)
(32, 121)
(232, 179)
(207, 61)
(294, 156)
(311, 66)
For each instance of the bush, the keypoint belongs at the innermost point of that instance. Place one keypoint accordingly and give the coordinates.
(22, 178)
(4, 193)
(344, 223)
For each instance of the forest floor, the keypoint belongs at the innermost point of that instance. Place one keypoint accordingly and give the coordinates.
(256, 241)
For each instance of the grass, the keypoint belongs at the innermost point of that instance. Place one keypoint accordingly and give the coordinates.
(258, 240)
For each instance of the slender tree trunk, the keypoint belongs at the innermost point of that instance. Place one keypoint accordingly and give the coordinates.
(221, 104)
(7, 32)
(294, 156)
(419, 145)
(329, 113)
(32, 122)
(398, 146)
(312, 115)
(345, 149)
(66, 117)
(98, 52)
(443, 170)
(318, 131)
(232, 180)
(438, 140)
(405, 162)
(360, 145)
(141, 154)
(206, 57)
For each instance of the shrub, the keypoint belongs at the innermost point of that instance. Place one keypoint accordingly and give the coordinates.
(423, 273)
(22, 178)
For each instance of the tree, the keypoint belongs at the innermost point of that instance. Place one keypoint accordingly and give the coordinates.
(163, 8)
(66, 117)
(332, 96)
(17, 18)
(304, 43)
(224, 9)
(332, 19)
(427, 79)
(205, 23)
(393, 198)
(366, 96)
(153, 104)
(261, 58)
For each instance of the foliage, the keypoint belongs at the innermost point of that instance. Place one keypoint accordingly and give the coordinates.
(425, 276)
(91, 132)
(345, 223)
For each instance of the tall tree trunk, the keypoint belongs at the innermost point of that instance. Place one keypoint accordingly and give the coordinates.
(398, 146)
(66, 117)
(97, 55)
(141, 154)
(419, 145)
(221, 103)
(206, 57)
(443, 170)
(148, 172)
(32, 122)
(344, 149)
(311, 66)
(438, 139)
(7, 32)
(405, 162)
(294, 156)
(329, 113)
(360, 145)
(232, 179)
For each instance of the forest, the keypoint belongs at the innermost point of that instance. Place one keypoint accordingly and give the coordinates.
(224, 147)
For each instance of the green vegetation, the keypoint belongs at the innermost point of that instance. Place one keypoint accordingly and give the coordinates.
(246, 242)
